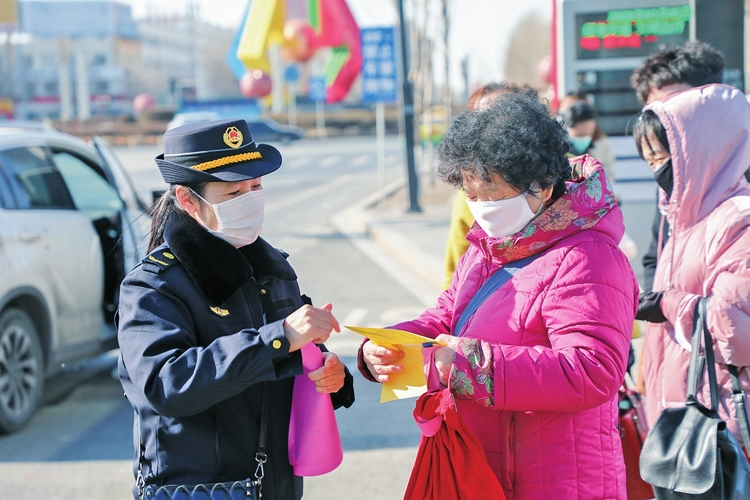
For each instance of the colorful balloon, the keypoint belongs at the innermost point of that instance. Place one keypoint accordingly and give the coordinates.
(298, 39)
(143, 102)
(255, 84)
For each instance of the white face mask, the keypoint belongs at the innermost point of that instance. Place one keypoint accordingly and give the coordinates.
(502, 218)
(239, 219)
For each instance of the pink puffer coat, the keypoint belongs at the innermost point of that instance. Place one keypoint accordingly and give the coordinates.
(708, 252)
(537, 370)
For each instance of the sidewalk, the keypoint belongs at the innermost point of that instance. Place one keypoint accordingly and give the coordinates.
(412, 242)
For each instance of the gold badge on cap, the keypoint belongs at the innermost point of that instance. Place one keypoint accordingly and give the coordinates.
(233, 137)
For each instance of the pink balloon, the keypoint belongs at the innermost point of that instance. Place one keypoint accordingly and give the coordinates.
(255, 84)
(143, 102)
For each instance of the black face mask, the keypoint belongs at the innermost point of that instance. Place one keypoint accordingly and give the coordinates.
(664, 178)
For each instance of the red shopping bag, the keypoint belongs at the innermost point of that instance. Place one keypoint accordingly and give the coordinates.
(633, 431)
(450, 462)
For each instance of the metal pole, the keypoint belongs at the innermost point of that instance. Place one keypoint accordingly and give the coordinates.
(320, 119)
(408, 113)
(292, 109)
(380, 140)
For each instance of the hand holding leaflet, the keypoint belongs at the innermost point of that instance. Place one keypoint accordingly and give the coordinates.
(410, 382)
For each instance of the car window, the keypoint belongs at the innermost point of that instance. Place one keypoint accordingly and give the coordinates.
(6, 198)
(120, 179)
(91, 192)
(36, 183)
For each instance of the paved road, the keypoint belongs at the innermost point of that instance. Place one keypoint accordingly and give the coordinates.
(80, 446)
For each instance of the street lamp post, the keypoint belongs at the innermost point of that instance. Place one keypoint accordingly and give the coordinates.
(408, 114)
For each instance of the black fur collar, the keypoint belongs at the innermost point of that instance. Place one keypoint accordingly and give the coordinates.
(217, 267)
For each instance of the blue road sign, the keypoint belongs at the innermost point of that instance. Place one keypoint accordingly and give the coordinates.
(291, 74)
(316, 90)
(379, 69)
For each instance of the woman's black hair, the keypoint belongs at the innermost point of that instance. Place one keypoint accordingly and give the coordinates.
(514, 137)
(647, 125)
(162, 208)
(579, 112)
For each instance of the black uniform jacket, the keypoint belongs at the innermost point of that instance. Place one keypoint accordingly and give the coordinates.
(200, 328)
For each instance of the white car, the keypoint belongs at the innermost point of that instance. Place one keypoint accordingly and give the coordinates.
(71, 226)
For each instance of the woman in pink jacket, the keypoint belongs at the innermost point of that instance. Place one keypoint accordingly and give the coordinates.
(698, 143)
(536, 369)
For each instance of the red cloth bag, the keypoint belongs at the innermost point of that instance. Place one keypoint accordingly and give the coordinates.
(633, 431)
(450, 462)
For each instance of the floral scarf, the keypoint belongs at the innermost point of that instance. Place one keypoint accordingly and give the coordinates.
(587, 200)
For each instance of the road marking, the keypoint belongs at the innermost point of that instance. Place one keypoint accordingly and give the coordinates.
(298, 163)
(396, 315)
(415, 285)
(355, 317)
(329, 161)
(363, 160)
(317, 191)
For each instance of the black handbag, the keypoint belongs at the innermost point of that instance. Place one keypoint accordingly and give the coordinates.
(249, 489)
(689, 453)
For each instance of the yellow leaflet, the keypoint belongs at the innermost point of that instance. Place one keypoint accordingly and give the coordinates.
(411, 382)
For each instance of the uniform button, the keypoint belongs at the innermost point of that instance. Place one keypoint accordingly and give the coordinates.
(276, 344)
(262, 291)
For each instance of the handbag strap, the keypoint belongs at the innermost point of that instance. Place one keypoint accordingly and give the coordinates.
(494, 282)
(260, 455)
(696, 372)
(738, 395)
(697, 357)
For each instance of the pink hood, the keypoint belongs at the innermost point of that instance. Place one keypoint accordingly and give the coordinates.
(539, 364)
(708, 252)
(708, 129)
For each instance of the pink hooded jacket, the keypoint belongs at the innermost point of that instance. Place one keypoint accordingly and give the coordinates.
(537, 370)
(708, 252)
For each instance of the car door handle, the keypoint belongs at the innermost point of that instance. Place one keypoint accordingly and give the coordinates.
(30, 236)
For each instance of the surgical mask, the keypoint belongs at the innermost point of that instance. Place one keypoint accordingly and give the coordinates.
(579, 145)
(239, 219)
(502, 218)
(664, 177)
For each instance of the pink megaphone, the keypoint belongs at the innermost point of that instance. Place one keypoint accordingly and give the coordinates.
(314, 441)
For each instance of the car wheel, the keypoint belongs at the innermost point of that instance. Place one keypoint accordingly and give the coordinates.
(285, 139)
(21, 370)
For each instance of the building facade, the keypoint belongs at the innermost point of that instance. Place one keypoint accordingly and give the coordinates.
(88, 59)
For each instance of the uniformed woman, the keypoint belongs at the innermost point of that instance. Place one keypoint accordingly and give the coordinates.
(211, 323)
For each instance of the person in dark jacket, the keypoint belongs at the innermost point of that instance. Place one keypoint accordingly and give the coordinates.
(213, 320)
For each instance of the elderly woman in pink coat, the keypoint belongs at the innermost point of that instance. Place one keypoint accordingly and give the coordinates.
(536, 369)
(698, 143)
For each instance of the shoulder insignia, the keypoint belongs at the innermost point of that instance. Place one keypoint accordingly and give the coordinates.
(219, 311)
(283, 253)
(162, 259)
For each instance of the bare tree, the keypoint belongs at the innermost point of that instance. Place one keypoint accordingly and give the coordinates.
(529, 43)
(447, 92)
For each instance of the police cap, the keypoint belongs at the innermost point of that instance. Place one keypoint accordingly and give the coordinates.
(221, 150)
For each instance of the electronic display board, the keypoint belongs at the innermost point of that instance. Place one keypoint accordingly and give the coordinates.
(630, 32)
